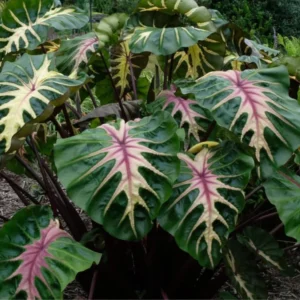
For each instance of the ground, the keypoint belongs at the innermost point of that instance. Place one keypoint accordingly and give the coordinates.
(280, 287)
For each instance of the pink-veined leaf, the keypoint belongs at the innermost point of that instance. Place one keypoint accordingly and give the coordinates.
(187, 112)
(75, 53)
(121, 173)
(37, 258)
(206, 200)
(255, 105)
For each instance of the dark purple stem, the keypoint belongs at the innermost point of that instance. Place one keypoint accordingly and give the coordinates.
(166, 71)
(93, 284)
(276, 229)
(114, 88)
(91, 96)
(133, 79)
(68, 121)
(253, 192)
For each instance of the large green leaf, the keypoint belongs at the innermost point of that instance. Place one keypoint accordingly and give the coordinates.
(121, 173)
(163, 38)
(206, 199)
(283, 191)
(243, 272)
(255, 105)
(38, 259)
(188, 113)
(29, 88)
(75, 53)
(264, 245)
(165, 41)
(25, 24)
(204, 57)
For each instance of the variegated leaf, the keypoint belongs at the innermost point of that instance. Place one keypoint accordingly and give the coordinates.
(187, 112)
(255, 105)
(75, 53)
(206, 199)
(29, 88)
(187, 8)
(121, 173)
(264, 245)
(243, 272)
(25, 24)
(201, 58)
(121, 58)
(38, 259)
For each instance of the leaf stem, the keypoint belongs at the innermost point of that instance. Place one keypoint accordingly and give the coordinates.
(15, 186)
(166, 71)
(78, 104)
(276, 229)
(73, 110)
(209, 131)
(91, 95)
(171, 69)
(31, 171)
(68, 120)
(114, 88)
(253, 192)
(58, 128)
(133, 79)
(267, 216)
(93, 284)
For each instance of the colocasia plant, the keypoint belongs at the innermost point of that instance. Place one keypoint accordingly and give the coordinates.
(164, 145)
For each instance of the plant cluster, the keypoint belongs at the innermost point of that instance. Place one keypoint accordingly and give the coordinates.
(176, 135)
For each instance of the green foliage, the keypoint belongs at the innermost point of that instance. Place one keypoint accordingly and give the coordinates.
(161, 123)
(291, 45)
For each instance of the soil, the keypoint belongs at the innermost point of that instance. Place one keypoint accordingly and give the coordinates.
(279, 286)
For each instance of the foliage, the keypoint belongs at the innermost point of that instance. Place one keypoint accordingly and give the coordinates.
(158, 125)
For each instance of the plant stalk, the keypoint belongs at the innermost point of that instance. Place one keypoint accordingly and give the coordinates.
(93, 284)
(73, 110)
(20, 189)
(91, 95)
(68, 121)
(133, 79)
(171, 69)
(114, 88)
(266, 216)
(253, 192)
(166, 71)
(31, 171)
(78, 104)
(58, 128)
(276, 229)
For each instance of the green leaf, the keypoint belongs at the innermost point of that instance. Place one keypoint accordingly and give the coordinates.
(29, 88)
(165, 41)
(264, 245)
(25, 24)
(255, 105)
(76, 53)
(204, 57)
(124, 175)
(283, 191)
(38, 259)
(206, 199)
(227, 296)
(243, 272)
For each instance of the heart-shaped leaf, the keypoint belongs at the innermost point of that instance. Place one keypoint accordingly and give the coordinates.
(187, 112)
(121, 173)
(255, 105)
(25, 24)
(38, 259)
(75, 53)
(243, 272)
(206, 199)
(283, 191)
(28, 89)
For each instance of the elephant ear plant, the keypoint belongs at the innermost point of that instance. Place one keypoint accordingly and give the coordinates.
(164, 147)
